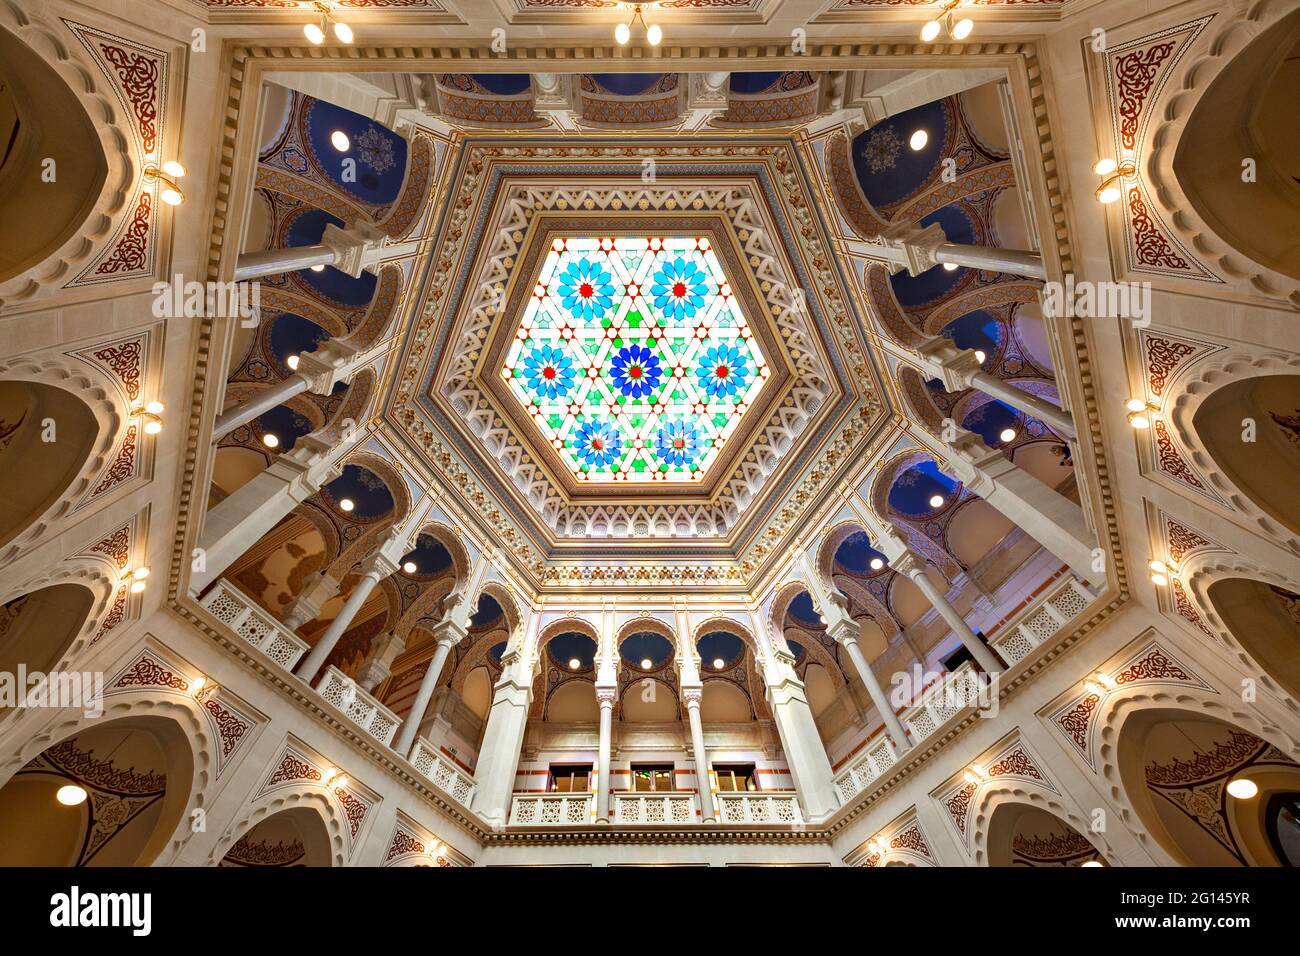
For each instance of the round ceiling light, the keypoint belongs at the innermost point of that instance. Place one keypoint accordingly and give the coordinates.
(71, 795)
(574, 664)
(719, 663)
(271, 440)
(918, 139)
(1007, 435)
(410, 567)
(347, 504)
(654, 35)
(340, 141)
(1242, 788)
(936, 501)
(877, 564)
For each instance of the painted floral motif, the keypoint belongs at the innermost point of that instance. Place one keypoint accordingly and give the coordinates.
(586, 290)
(375, 150)
(880, 152)
(722, 371)
(598, 443)
(679, 289)
(633, 359)
(636, 371)
(549, 372)
(678, 443)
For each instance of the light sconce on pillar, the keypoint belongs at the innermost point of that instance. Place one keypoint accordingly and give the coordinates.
(1160, 572)
(975, 774)
(947, 20)
(334, 778)
(1140, 412)
(1099, 684)
(316, 32)
(1113, 174)
(202, 688)
(654, 34)
(166, 176)
(137, 579)
(150, 415)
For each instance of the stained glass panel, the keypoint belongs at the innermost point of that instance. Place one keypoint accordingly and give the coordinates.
(633, 358)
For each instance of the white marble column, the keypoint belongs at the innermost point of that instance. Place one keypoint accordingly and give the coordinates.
(377, 568)
(804, 751)
(960, 369)
(447, 633)
(845, 633)
(605, 698)
(914, 567)
(503, 738)
(692, 697)
(237, 522)
(378, 664)
(1047, 516)
(318, 372)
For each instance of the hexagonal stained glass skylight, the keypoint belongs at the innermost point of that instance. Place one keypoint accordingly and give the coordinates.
(633, 358)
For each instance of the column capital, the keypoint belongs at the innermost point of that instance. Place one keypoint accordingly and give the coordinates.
(350, 245)
(692, 696)
(378, 566)
(326, 367)
(448, 631)
(605, 695)
(844, 631)
(918, 244)
(909, 563)
(943, 360)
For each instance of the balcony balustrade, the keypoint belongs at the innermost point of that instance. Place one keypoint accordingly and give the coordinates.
(241, 614)
(363, 710)
(552, 809)
(758, 807)
(442, 771)
(663, 807)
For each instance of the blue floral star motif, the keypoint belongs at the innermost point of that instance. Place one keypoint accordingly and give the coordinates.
(597, 443)
(549, 372)
(678, 443)
(586, 289)
(636, 371)
(722, 371)
(679, 288)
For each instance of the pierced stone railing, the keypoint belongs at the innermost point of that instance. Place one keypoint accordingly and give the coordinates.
(362, 709)
(1045, 617)
(551, 809)
(671, 807)
(444, 773)
(758, 807)
(241, 614)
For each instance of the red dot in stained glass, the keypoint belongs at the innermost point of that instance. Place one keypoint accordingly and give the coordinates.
(597, 444)
(634, 371)
(585, 290)
(548, 372)
(679, 290)
(723, 371)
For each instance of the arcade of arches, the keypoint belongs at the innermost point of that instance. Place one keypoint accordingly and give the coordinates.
(411, 468)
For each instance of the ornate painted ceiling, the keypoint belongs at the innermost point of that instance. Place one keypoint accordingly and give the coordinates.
(642, 349)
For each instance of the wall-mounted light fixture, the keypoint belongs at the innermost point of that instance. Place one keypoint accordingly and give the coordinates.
(166, 176)
(947, 20)
(316, 32)
(1140, 412)
(654, 34)
(1113, 173)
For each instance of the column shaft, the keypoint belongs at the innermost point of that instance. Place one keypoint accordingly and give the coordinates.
(878, 697)
(273, 262)
(956, 622)
(259, 404)
(606, 701)
(703, 781)
(1057, 419)
(314, 660)
(503, 738)
(411, 725)
(1014, 261)
(804, 751)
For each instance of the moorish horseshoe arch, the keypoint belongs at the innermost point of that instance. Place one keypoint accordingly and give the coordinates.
(992, 798)
(83, 85)
(112, 419)
(299, 795)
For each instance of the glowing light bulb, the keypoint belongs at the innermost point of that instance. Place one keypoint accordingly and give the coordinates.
(343, 32)
(340, 782)
(1091, 863)
(173, 168)
(292, 361)
(962, 28)
(347, 504)
(1007, 434)
(140, 573)
(936, 501)
(138, 586)
(1139, 420)
(654, 35)
(339, 140)
(1159, 567)
(574, 664)
(622, 33)
(1242, 789)
(71, 795)
(930, 32)
(197, 684)
(950, 267)
(719, 663)
(410, 567)
(271, 440)
(152, 427)
(172, 196)
(1105, 166)
(918, 139)
(1135, 405)
(646, 663)
(1159, 580)
(155, 408)
(320, 268)
(877, 564)
(314, 33)
(980, 356)
(1108, 194)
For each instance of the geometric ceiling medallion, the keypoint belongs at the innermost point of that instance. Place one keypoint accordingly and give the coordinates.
(633, 358)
